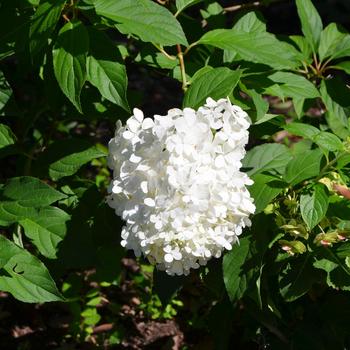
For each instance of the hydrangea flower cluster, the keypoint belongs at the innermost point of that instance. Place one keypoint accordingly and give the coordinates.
(178, 185)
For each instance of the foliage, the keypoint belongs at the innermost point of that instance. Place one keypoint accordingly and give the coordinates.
(67, 74)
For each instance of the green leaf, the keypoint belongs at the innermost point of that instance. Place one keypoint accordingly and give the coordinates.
(7, 138)
(216, 83)
(328, 141)
(311, 23)
(336, 99)
(29, 192)
(330, 38)
(105, 69)
(291, 85)
(183, 4)
(303, 46)
(66, 157)
(46, 230)
(144, 18)
(261, 105)
(264, 190)
(303, 166)
(298, 278)
(314, 205)
(338, 273)
(254, 47)
(303, 130)
(250, 22)
(24, 276)
(343, 48)
(235, 278)
(20, 197)
(69, 60)
(267, 157)
(43, 24)
(345, 66)
(5, 91)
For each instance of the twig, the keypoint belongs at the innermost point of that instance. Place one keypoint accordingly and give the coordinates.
(182, 67)
(242, 6)
(171, 57)
(188, 48)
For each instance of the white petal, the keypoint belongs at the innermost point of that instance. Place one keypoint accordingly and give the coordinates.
(138, 114)
(147, 123)
(168, 258)
(149, 202)
(135, 159)
(128, 135)
(133, 125)
(144, 186)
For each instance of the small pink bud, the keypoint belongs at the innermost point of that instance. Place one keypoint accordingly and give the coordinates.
(325, 243)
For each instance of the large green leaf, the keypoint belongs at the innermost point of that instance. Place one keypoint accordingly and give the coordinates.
(314, 205)
(303, 166)
(336, 96)
(215, 83)
(43, 24)
(338, 273)
(5, 91)
(330, 38)
(7, 138)
(264, 190)
(46, 230)
(345, 66)
(303, 46)
(267, 157)
(324, 139)
(235, 277)
(66, 157)
(144, 18)
(291, 85)
(343, 48)
(303, 130)
(7, 141)
(250, 22)
(29, 192)
(24, 276)
(20, 197)
(311, 23)
(183, 4)
(298, 278)
(254, 46)
(69, 60)
(328, 141)
(105, 69)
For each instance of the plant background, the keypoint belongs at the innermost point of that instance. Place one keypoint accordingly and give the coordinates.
(258, 296)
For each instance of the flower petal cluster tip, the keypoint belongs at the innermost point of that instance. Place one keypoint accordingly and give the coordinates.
(177, 184)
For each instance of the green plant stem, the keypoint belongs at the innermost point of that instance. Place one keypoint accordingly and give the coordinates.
(329, 165)
(242, 6)
(182, 67)
(171, 57)
(188, 48)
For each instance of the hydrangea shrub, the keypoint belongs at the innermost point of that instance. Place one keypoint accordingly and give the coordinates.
(255, 208)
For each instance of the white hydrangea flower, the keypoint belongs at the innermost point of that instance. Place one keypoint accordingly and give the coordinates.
(178, 185)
